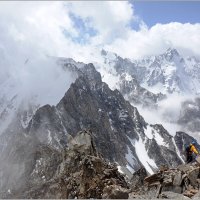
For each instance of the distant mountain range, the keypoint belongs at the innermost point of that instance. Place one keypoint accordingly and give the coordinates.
(166, 73)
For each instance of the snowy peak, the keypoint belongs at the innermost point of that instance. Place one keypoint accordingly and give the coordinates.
(167, 73)
(171, 54)
(122, 74)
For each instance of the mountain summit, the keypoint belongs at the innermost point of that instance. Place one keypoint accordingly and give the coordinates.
(167, 73)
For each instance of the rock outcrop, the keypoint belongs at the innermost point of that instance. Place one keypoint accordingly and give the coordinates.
(82, 173)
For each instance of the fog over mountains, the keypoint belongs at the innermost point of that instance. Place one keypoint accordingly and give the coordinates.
(137, 110)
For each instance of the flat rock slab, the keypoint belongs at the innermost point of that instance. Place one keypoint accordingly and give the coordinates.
(173, 195)
(193, 175)
(177, 179)
(196, 196)
(185, 168)
(153, 178)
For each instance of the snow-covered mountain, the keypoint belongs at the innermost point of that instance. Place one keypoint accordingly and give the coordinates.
(157, 85)
(166, 73)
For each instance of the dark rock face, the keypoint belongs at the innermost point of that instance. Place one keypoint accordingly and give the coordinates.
(138, 95)
(99, 109)
(24, 167)
(90, 104)
(165, 154)
(87, 174)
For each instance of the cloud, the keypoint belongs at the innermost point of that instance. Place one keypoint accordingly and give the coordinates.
(184, 37)
(77, 29)
(29, 32)
(110, 18)
(32, 30)
(167, 113)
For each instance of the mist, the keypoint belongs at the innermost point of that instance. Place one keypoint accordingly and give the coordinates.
(167, 113)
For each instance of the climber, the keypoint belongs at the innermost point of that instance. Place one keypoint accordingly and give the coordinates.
(190, 151)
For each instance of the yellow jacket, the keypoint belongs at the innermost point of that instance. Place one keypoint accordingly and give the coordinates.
(193, 149)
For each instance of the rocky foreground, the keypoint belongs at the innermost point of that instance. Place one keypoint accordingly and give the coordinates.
(80, 172)
(175, 183)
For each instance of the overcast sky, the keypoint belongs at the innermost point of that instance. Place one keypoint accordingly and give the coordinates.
(77, 29)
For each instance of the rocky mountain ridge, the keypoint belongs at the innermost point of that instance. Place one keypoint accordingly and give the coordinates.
(79, 171)
(88, 104)
(121, 135)
(76, 172)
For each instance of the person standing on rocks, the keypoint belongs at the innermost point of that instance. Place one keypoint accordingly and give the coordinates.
(190, 151)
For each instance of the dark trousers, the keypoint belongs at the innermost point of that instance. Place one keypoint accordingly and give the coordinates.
(189, 158)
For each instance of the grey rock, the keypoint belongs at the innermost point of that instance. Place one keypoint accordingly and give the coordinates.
(185, 168)
(193, 175)
(157, 177)
(175, 189)
(196, 196)
(173, 195)
(138, 177)
(115, 192)
(177, 179)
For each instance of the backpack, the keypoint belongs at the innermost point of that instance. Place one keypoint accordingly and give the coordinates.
(187, 148)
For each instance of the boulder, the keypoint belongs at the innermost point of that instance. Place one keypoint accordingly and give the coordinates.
(184, 168)
(175, 189)
(196, 196)
(172, 195)
(190, 193)
(154, 178)
(138, 177)
(177, 179)
(167, 179)
(176, 182)
(193, 175)
(115, 192)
